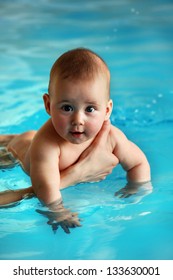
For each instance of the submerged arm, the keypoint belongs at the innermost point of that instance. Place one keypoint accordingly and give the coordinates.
(11, 196)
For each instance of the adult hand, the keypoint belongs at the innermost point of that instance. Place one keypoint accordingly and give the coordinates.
(97, 161)
(94, 164)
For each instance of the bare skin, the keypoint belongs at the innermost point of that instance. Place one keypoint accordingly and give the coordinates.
(44, 155)
(91, 166)
(19, 145)
(95, 170)
(77, 144)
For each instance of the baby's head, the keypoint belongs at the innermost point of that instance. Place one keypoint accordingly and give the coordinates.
(78, 100)
(79, 65)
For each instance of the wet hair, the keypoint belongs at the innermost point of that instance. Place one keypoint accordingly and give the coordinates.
(78, 64)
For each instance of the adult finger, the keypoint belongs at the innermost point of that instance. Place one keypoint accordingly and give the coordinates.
(103, 133)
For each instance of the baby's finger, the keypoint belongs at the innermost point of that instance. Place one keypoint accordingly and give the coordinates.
(74, 214)
(65, 228)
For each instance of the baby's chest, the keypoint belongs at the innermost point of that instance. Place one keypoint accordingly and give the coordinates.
(68, 157)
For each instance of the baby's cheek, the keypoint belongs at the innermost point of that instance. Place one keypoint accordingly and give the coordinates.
(60, 124)
(95, 126)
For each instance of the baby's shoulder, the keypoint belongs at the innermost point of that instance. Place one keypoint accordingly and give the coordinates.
(46, 137)
(116, 132)
(116, 136)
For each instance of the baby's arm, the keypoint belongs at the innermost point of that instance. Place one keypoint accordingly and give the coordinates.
(131, 158)
(133, 161)
(45, 177)
(44, 171)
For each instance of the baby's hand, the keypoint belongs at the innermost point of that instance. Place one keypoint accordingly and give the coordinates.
(61, 217)
(133, 188)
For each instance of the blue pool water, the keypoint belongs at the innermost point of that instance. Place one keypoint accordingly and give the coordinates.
(136, 40)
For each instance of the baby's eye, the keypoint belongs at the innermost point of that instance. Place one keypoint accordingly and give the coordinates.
(67, 108)
(90, 109)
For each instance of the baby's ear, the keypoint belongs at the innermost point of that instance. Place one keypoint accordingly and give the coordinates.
(46, 99)
(109, 108)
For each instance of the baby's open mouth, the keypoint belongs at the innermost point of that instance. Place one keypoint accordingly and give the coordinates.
(77, 133)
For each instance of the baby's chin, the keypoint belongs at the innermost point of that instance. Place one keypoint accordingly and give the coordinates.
(78, 138)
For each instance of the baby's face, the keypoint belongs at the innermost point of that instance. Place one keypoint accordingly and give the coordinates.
(79, 108)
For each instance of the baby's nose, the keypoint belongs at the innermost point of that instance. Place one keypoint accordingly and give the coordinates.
(78, 119)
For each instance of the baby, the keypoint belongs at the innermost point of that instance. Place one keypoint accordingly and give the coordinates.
(79, 105)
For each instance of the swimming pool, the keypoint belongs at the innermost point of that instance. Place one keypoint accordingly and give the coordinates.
(136, 41)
